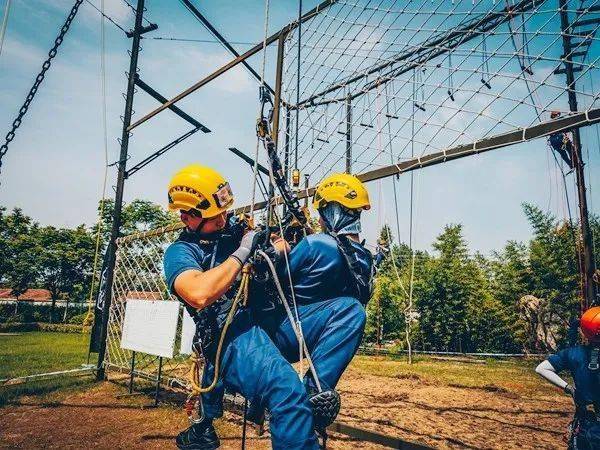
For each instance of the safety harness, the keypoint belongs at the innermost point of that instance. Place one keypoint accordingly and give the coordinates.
(360, 274)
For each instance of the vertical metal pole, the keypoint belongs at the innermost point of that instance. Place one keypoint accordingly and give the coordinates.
(286, 154)
(278, 78)
(131, 374)
(589, 287)
(348, 134)
(276, 110)
(306, 180)
(158, 376)
(122, 168)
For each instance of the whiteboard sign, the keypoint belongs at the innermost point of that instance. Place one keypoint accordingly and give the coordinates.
(150, 327)
(188, 330)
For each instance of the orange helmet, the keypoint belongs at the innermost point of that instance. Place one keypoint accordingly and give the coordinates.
(554, 114)
(590, 324)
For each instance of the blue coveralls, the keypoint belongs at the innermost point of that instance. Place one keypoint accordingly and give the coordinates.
(576, 359)
(561, 143)
(251, 363)
(332, 319)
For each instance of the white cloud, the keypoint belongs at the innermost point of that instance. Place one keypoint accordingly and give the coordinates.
(187, 65)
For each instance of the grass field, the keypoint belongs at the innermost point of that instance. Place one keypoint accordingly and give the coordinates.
(512, 375)
(40, 352)
(440, 402)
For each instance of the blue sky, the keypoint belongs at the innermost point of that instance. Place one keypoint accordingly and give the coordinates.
(55, 165)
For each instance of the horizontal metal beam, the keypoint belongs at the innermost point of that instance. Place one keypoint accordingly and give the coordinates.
(192, 9)
(582, 119)
(152, 93)
(231, 64)
(424, 52)
(143, 30)
(160, 152)
(495, 142)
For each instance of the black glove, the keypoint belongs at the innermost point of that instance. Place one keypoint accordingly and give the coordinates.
(569, 390)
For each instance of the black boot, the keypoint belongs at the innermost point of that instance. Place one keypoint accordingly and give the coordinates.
(200, 436)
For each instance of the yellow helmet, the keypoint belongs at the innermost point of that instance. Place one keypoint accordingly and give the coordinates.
(200, 188)
(343, 188)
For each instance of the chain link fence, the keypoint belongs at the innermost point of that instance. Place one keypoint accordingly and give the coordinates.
(139, 275)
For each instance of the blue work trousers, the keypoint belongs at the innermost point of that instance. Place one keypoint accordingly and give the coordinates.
(332, 331)
(252, 365)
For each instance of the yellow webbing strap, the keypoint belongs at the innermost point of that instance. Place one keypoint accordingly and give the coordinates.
(194, 377)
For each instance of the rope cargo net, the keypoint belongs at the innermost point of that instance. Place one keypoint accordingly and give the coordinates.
(380, 81)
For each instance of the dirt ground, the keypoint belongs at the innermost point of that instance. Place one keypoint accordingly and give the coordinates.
(454, 417)
(404, 407)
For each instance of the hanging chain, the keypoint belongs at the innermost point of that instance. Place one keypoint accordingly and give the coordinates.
(38, 81)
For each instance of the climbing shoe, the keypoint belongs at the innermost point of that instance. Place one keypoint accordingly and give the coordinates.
(200, 436)
(326, 406)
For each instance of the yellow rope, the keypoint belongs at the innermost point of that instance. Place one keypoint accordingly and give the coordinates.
(194, 377)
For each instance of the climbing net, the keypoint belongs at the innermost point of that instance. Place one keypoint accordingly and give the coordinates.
(381, 81)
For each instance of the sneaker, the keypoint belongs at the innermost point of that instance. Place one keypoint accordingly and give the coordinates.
(200, 436)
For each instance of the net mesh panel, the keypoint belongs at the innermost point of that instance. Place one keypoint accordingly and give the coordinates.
(413, 78)
(139, 275)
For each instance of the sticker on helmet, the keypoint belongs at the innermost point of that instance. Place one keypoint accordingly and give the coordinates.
(224, 196)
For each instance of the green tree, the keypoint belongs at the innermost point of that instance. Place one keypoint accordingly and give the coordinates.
(19, 252)
(139, 215)
(511, 279)
(386, 311)
(453, 299)
(385, 318)
(65, 262)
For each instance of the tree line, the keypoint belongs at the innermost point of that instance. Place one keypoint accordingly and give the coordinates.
(60, 260)
(521, 298)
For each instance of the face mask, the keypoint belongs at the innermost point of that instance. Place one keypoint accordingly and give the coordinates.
(340, 220)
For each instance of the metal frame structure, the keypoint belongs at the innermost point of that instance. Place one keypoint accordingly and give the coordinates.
(134, 80)
(399, 64)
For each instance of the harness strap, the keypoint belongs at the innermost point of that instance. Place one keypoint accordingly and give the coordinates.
(364, 287)
(593, 364)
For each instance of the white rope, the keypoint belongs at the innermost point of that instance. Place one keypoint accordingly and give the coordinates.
(262, 83)
(100, 222)
(294, 322)
(4, 24)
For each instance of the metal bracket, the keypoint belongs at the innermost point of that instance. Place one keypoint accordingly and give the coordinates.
(154, 94)
(143, 30)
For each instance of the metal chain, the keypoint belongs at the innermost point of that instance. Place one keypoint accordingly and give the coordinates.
(38, 80)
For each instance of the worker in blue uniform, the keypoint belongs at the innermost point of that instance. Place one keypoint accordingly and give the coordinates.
(562, 143)
(331, 278)
(582, 362)
(201, 269)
